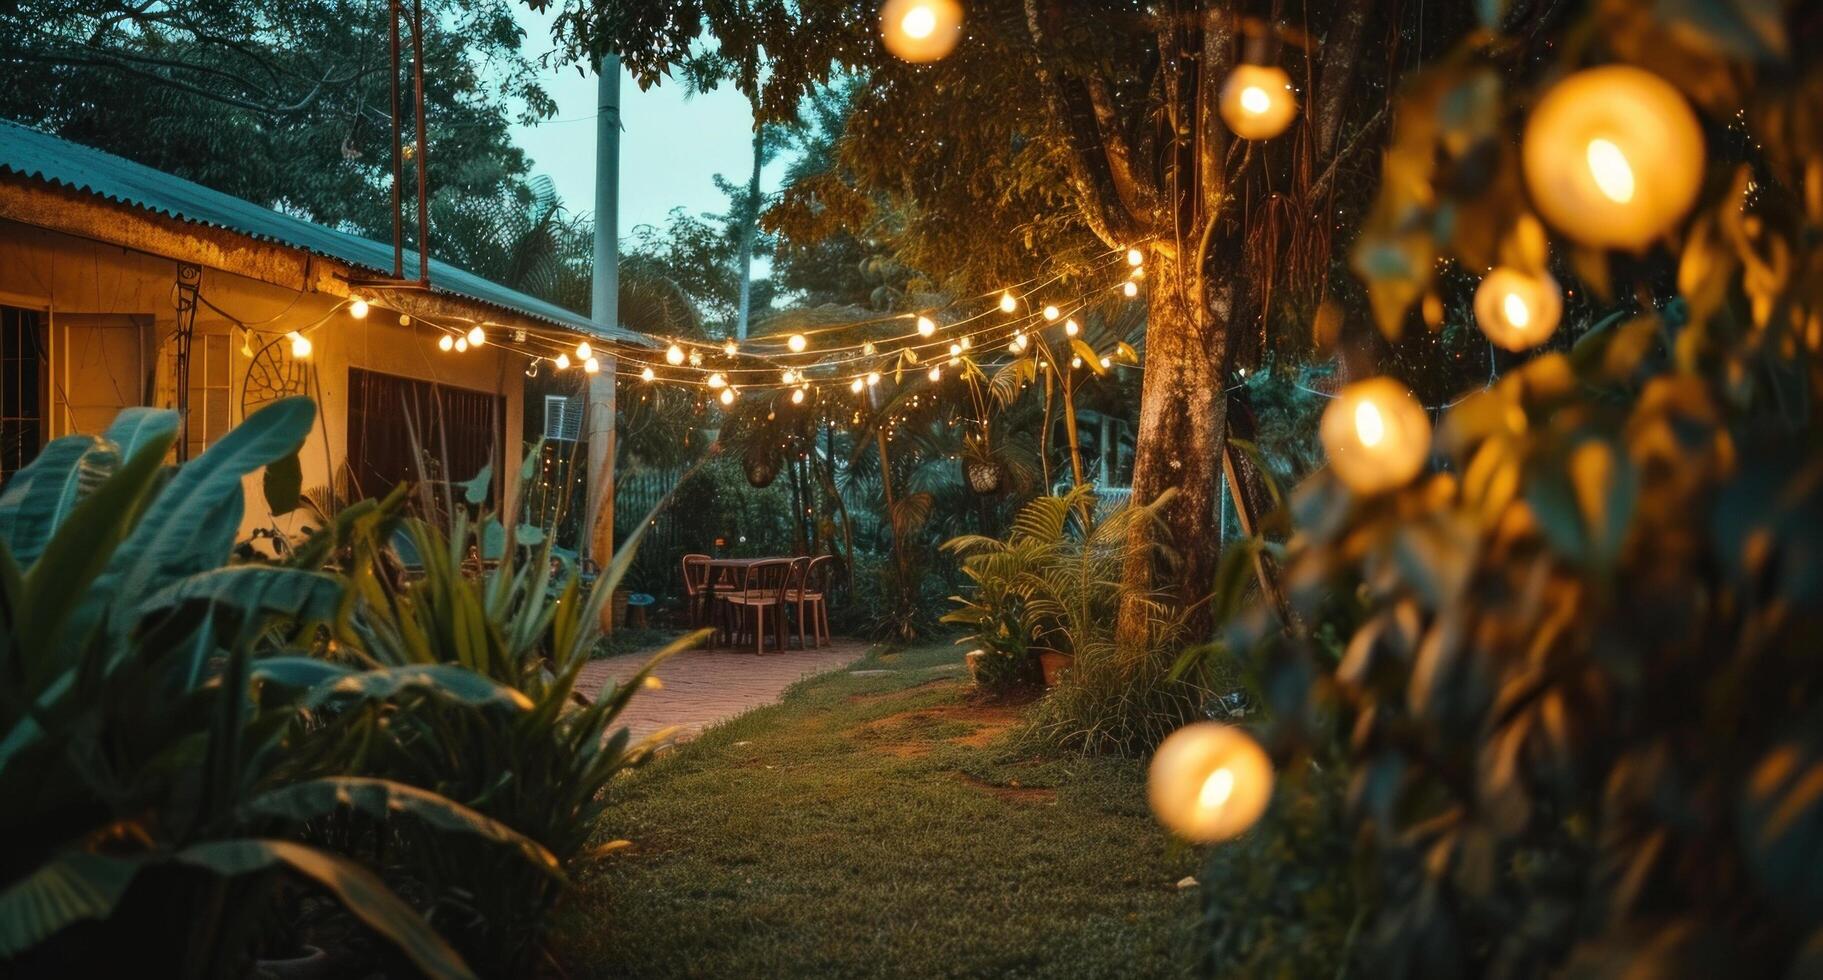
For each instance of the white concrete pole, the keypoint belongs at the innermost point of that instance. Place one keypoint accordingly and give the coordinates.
(604, 309)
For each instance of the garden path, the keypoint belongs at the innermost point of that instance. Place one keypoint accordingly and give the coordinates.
(702, 687)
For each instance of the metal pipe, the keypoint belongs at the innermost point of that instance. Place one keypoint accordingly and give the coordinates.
(417, 60)
(398, 151)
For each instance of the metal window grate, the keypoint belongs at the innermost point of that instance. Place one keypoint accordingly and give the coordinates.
(22, 388)
(562, 418)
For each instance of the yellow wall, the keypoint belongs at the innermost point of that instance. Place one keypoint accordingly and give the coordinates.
(113, 313)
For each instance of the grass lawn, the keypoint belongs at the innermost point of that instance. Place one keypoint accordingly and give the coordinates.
(881, 825)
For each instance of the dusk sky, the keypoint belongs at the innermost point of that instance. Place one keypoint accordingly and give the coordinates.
(671, 145)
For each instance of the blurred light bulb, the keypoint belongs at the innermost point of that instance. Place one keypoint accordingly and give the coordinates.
(1376, 434)
(731, 348)
(797, 396)
(563, 362)
(446, 342)
(797, 343)
(584, 351)
(1106, 363)
(873, 378)
(788, 376)
(300, 345)
(955, 349)
(856, 385)
(936, 374)
(1007, 303)
(926, 326)
(716, 380)
(727, 396)
(1256, 101)
(920, 30)
(358, 309)
(1130, 288)
(674, 355)
(404, 319)
(647, 374)
(461, 345)
(476, 336)
(591, 365)
(1135, 257)
(868, 347)
(1076, 361)
(1517, 310)
(1209, 782)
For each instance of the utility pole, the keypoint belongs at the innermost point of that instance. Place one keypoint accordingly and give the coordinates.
(604, 309)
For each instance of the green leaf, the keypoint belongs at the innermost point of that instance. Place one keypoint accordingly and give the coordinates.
(283, 483)
(42, 495)
(359, 890)
(255, 591)
(475, 490)
(443, 680)
(136, 427)
(381, 798)
(1782, 826)
(71, 887)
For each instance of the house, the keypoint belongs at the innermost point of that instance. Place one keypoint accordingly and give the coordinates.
(122, 285)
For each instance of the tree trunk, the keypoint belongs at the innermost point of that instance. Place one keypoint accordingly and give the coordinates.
(749, 229)
(1181, 436)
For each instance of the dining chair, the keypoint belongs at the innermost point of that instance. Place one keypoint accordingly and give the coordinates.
(808, 599)
(696, 589)
(762, 591)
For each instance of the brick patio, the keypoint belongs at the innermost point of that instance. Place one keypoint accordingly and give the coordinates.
(702, 687)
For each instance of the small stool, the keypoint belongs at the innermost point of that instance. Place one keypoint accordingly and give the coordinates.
(636, 609)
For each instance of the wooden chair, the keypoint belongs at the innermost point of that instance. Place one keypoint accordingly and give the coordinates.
(808, 599)
(696, 589)
(762, 593)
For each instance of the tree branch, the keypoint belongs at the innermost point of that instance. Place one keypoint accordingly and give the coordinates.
(1341, 52)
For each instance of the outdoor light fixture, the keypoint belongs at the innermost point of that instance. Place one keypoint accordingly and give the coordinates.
(1007, 303)
(926, 326)
(867, 347)
(1135, 257)
(727, 396)
(730, 348)
(1209, 782)
(1257, 102)
(856, 385)
(563, 362)
(1071, 328)
(717, 381)
(584, 351)
(797, 396)
(1129, 288)
(476, 336)
(592, 366)
(647, 374)
(674, 355)
(1052, 313)
(300, 345)
(788, 376)
(461, 345)
(797, 343)
(358, 309)
(1517, 310)
(446, 342)
(1376, 434)
(1613, 156)
(955, 349)
(920, 30)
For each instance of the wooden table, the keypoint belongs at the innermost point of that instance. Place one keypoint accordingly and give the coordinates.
(730, 572)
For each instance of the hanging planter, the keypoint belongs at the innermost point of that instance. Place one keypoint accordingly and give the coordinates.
(761, 468)
(984, 476)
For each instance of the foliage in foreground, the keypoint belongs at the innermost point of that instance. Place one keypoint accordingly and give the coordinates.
(182, 740)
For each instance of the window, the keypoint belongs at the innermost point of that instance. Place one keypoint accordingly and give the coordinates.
(562, 418)
(209, 390)
(458, 430)
(22, 389)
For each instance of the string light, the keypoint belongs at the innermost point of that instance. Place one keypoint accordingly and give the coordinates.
(647, 374)
(674, 354)
(936, 374)
(797, 343)
(727, 396)
(1257, 103)
(476, 336)
(563, 362)
(358, 309)
(1051, 313)
(1130, 288)
(1135, 257)
(716, 380)
(966, 343)
(731, 348)
(926, 326)
(1071, 328)
(955, 350)
(856, 385)
(1517, 310)
(920, 31)
(1106, 363)
(797, 396)
(1007, 303)
(592, 366)
(300, 345)
(584, 351)
(461, 345)
(868, 348)
(1076, 361)
(696, 358)
(405, 319)
(788, 376)
(1209, 782)
(1376, 435)
(446, 342)
(873, 378)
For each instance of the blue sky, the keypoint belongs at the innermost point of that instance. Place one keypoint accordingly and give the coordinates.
(670, 146)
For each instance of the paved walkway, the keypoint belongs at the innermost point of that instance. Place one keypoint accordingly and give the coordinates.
(702, 687)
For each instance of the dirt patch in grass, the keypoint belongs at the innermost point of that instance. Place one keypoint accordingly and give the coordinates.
(1012, 792)
(913, 734)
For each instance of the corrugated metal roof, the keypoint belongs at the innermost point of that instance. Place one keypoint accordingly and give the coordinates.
(37, 155)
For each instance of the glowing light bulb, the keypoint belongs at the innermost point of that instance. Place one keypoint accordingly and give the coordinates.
(856, 385)
(731, 348)
(1613, 175)
(727, 396)
(867, 348)
(716, 380)
(476, 336)
(920, 30)
(300, 345)
(966, 343)
(1076, 361)
(1052, 313)
(563, 362)
(1129, 288)
(584, 351)
(1007, 303)
(936, 374)
(696, 358)
(1209, 782)
(1370, 427)
(461, 345)
(797, 343)
(358, 309)
(1257, 102)
(1377, 436)
(647, 374)
(955, 349)
(446, 342)
(873, 378)
(788, 376)
(1071, 328)
(1106, 363)
(1517, 310)
(674, 355)
(797, 396)
(592, 366)
(1135, 257)
(926, 326)
(404, 319)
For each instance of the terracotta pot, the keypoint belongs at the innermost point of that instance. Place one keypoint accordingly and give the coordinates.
(1054, 665)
